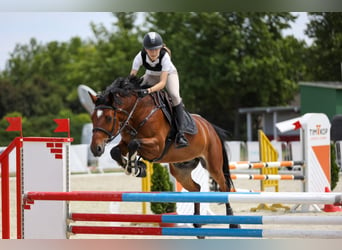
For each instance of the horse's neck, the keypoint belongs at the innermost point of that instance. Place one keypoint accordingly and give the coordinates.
(153, 108)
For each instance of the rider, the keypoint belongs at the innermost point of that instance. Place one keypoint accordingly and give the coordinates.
(161, 72)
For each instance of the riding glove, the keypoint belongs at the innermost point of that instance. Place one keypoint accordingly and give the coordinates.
(142, 92)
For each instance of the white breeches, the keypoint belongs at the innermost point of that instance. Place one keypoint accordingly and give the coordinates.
(172, 86)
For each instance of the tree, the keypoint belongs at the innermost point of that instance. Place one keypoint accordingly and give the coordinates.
(108, 56)
(8, 97)
(325, 54)
(231, 60)
(114, 49)
(28, 61)
(40, 80)
(95, 62)
(39, 72)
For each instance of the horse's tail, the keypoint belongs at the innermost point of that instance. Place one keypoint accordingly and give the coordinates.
(222, 134)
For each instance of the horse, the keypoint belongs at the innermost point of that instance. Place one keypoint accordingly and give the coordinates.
(145, 133)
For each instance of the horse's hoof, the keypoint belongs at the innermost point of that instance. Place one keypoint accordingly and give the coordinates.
(141, 167)
(234, 226)
(142, 173)
(197, 225)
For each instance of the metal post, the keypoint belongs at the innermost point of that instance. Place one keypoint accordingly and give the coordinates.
(249, 126)
(275, 118)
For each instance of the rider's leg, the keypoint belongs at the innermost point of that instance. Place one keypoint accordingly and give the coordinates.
(172, 87)
(150, 80)
(181, 141)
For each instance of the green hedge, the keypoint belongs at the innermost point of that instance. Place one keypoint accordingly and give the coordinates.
(161, 182)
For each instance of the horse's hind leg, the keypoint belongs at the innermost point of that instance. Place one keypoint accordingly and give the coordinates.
(229, 210)
(183, 176)
(224, 182)
(182, 173)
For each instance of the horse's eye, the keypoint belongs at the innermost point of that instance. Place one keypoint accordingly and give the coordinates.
(108, 118)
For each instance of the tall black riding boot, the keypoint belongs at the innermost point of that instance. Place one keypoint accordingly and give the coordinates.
(181, 141)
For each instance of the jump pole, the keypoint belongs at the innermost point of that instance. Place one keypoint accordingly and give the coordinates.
(208, 219)
(209, 197)
(210, 232)
(242, 165)
(105, 196)
(266, 177)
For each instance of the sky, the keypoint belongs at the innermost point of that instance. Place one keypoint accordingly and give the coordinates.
(20, 27)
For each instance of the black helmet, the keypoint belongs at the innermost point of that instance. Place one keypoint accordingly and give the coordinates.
(153, 40)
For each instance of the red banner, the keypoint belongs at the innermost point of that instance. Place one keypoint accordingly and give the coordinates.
(14, 124)
(63, 125)
(297, 125)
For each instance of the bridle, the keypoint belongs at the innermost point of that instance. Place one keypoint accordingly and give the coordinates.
(109, 134)
(133, 131)
(124, 124)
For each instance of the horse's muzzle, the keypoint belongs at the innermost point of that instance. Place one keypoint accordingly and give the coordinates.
(97, 150)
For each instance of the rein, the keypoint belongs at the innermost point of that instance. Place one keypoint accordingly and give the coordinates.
(129, 115)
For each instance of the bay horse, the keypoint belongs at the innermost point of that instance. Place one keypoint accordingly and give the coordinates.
(145, 129)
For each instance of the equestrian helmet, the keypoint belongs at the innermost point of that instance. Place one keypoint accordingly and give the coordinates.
(152, 40)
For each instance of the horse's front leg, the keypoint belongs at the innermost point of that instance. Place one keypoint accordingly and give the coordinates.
(134, 166)
(117, 154)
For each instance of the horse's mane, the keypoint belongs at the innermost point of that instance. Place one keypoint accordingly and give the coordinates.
(121, 87)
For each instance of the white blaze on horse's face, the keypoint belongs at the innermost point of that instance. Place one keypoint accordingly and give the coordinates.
(99, 113)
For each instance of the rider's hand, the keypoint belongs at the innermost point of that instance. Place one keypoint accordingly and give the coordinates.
(142, 92)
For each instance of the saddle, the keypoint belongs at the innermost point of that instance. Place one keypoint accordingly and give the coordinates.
(163, 100)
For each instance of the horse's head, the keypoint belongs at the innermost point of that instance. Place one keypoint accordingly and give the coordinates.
(112, 110)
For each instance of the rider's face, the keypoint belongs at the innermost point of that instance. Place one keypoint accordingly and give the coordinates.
(153, 53)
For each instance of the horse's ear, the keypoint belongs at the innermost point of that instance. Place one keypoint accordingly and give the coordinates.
(93, 97)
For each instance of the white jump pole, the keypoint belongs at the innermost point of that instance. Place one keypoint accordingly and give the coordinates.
(45, 164)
